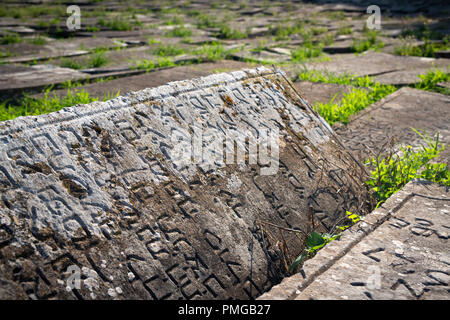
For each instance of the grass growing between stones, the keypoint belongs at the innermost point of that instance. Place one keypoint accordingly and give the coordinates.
(392, 172)
(352, 102)
(168, 50)
(388, 176)
(306, 52)
(226, 32)
(31, 106)
(180, 32)
(369, 41)
(10, 38)
(430, 80)
(428, 49)
(366, 93)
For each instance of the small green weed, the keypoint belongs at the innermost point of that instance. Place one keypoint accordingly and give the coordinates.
(152, 64)
(352, 102)
(70, 63)
(306, 51)
(392, 172)
(430, 80)
(181, 32)
(316, 241)
(116, 24)
(97, 59)
(428, 49)
(10, 38)
(226, 32)
(369, 41)
(344, 31)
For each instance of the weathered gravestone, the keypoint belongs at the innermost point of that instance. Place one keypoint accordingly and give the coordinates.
(173, 192)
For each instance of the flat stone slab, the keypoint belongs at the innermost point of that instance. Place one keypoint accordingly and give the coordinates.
(393, 117)
(139, 198)
(24, 52)
(36, 76)
(402, 77)
(399, 251)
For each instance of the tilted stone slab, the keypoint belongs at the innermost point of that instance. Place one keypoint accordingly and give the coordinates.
(399, 251)
(117, 191)
(368, 133)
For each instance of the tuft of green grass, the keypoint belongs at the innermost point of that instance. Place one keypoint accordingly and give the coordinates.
(92, 29)
(33, 11)
(70, 63)
(181, 32)
(39, 40)
(97, 59)
(206, 21)
(336, 15)
(168, 50)
(10, 38)
(213, 52)
(392, 172)
(226, 32)
(116, 24)
(315, 31)
(283, 31)
(428, 49)
(423, 32)
(430, 80)
(369, 41)
(174, 21)
(306, 51)
(260, 47)
(344, 31)
(366, 93)
(152, 64)
(30, 106)
(316, 241)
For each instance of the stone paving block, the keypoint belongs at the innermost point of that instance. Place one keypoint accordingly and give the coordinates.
(377, 63)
